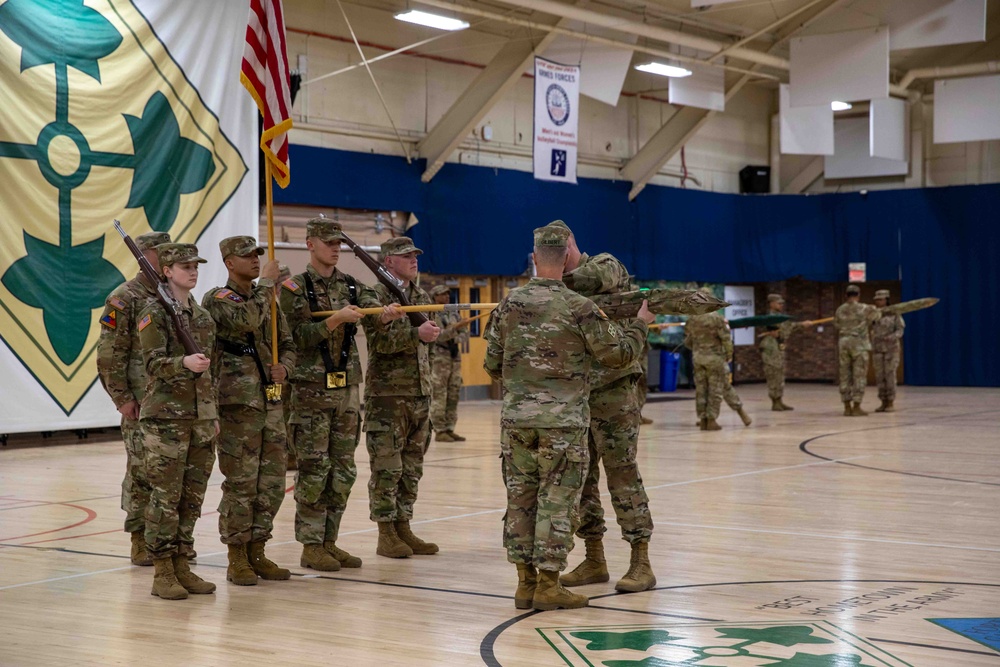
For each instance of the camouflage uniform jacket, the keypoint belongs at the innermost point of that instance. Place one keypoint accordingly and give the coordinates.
(119, 354)
(603, 274)
(172, 391)
(708, 337)
(398, 362)
(449, 337)
(237, 314)
(542, 341)
(886, 332)
(852, 321)
(309, 377)
(777, 343)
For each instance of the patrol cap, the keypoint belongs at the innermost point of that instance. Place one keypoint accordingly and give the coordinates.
(438, 290)
(853, 289)
(149, 241)
(172, 253)
(240, 246)
(560, 225)
(775, 298)
(399, 246)
(882, 294)
(324, 229)
(552, 236)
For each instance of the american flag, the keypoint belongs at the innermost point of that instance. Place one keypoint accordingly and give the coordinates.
(265, 75)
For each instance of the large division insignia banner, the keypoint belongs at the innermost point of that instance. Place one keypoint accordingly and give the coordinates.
(128, 109)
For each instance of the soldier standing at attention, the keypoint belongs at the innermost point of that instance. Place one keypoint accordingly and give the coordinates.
(542, 342)
(325, 408)
(179, 420)
(446, 369)
(252, 438)
(886, 334)
(123, 376)
(613, 436)
(772, 352)
(853, 320)
(284, 273)
(397, 408)
(712, 348)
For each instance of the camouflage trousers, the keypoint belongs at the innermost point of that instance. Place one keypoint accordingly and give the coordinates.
(398, 431)
(544, 471)
(774, 372)
(446, 376)
(729, 396)
(324, 441)
(252, 458)
(853, 372)
(135, 486)
(710, 380)
(612, 441)
(886, 364)
(179, 460)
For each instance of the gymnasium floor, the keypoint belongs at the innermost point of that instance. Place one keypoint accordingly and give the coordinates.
(806, 540)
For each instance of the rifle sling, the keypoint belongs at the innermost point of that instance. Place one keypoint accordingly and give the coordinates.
(349, 329)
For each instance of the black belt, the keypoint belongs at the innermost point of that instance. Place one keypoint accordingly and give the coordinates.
(248, 349)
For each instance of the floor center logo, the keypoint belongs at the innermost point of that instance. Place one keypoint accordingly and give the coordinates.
(99, 122)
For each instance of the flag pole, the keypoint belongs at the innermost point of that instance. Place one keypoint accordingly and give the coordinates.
(273, 390)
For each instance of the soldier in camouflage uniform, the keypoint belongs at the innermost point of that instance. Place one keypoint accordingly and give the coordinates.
(613, 436)
(886, 334)
(446, 369)
(772, 352)
(325, 407)
(712, 348)
(397, 408)
(252, 437)
(730, 398)
(542, 342)
(853, 320)
(179, 420)
(284, 273)
(123, 376)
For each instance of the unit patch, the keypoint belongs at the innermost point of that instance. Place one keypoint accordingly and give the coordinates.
(110, 319)
(229, 294)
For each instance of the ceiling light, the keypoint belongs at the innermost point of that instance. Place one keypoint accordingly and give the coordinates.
(840, 106)
(432, 20)
(664, 70)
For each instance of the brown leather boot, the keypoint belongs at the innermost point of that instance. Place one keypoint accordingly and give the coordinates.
(777, 405)
(744, 416)
(856, 410)
(345, 559)
(444, 436)
(165, 584)
(640, 573)
(191, 582)
(239, 571)
(593, 569)
(140, 555)
(262, 566)
(527, 578)
(848, 410)
(785, 406)
(881, 408)
(419, 547)
(315, 557)
(550, 594)
(712, 425)
(889, 407)
(389, 544)
(456, 437)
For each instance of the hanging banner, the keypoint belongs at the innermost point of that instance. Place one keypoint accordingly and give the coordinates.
(557, 109)
(128, 109)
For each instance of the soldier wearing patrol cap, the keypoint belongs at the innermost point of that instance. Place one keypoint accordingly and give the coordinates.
(544, 343)
(284, 273)
(397, 407)
(886, 333)
(325, 409)
(179, 421)
(446, 369)
(772, 352)
(123, 376)
(252, 437)
(853, 320)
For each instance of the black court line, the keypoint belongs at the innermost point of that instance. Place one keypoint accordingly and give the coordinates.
(651, 613)
(940, 648)
(65, 550)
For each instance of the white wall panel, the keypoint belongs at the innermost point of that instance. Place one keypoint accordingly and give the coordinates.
(852, 158)
(967, 109)
(847, 66)
(603, 68)
(805, 130)
(705, 89)
(888, 128)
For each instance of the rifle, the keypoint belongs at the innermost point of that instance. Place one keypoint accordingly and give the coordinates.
(390, 281)
(163, 295)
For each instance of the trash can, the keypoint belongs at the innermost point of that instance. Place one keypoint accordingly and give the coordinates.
(669, 364)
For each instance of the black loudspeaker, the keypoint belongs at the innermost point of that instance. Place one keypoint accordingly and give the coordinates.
(755, 179)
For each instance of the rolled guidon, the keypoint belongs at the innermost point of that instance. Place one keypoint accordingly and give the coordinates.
(661, 302)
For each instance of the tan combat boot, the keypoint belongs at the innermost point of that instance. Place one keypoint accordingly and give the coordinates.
(550, 594)
(456, 437)
(165, 584)
(593, 569)
(889, 407)
(419, 547)
(640, 574)
(527, 579)
(856, 411)
(785, 406)
(315, 557)
(345, 559)
(263, 566)
(848, 411)
(777, 405)
(444, 436)
(744, 416)
(712, 425)
(702, 423)
(644, 420)
(389, 544)
(191, 582)
(140, 555)
(239, 571)
(881, 408)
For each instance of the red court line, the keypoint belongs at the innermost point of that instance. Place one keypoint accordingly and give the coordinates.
(91, 515)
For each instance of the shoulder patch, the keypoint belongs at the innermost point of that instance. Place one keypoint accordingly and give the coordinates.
(291, 285)
(229, 294)
(145, 321)
(110, 319)
(117, 303)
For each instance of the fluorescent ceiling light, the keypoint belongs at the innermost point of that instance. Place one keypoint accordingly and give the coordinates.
(840, 106)
(664, 70)
(432, 20)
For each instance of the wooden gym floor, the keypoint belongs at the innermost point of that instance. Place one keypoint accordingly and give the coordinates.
(806, 540)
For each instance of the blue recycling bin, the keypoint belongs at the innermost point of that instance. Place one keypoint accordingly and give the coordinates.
(670, 363)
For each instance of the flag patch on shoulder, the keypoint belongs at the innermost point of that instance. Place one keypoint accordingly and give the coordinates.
(110, 319)
(228, 294)
(117, 303)
(291, 285)
(145, 321)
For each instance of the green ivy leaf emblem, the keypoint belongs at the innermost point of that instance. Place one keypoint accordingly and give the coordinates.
(639, 640)
(788, 635)
(651, 661)
(807, 660)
